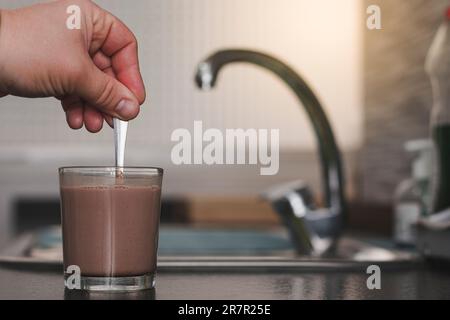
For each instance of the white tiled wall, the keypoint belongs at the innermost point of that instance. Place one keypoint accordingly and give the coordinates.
(319, 38)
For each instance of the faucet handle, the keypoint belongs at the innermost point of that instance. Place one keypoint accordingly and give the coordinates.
(295, 193)
(308, 226)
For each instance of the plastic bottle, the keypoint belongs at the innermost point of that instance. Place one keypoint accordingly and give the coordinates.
(438, 68)
(412, 197)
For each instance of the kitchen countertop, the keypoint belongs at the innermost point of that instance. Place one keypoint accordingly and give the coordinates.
(31, 282)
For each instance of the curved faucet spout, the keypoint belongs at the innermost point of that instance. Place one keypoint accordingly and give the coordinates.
(332, 172)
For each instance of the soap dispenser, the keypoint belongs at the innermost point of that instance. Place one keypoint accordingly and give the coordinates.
(438, 68)
(412, 197)
(434, 230)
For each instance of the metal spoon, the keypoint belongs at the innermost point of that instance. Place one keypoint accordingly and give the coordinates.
(120, 138)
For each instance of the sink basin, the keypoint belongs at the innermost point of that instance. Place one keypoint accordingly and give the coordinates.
(198, 249)
(223, 242)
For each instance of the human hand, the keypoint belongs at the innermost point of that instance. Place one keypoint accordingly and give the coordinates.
(94, 71)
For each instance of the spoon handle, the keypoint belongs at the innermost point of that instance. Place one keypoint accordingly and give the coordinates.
(120, 138)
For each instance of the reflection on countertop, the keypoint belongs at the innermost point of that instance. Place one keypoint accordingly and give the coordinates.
(421, 283)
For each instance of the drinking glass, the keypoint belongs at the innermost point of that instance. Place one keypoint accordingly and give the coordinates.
(110, 223)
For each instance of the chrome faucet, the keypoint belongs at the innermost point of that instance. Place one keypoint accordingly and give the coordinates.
(313, 231)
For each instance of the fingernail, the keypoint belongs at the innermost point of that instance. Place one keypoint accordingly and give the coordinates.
(109, 121)
(126, 109)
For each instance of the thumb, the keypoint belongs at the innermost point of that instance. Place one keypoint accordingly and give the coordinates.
(107, 94)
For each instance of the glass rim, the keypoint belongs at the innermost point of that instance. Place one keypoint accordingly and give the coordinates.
(75, 169)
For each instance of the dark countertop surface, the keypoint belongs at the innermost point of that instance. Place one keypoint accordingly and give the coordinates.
(27, 282)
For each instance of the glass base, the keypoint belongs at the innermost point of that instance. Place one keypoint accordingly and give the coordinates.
(117, 284)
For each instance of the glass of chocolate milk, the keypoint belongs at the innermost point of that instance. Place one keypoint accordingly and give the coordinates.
(110, 220)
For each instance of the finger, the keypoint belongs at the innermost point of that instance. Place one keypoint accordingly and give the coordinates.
(102, 61)
(93, 119)
(73, 107)
(109, 120)
(118, 43)
(107, 94)
(109, 71)
(74, 117)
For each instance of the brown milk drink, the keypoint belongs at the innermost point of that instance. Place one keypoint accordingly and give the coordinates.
(111, 231)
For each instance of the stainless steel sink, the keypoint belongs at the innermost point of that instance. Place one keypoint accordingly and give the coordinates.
(217, 250)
